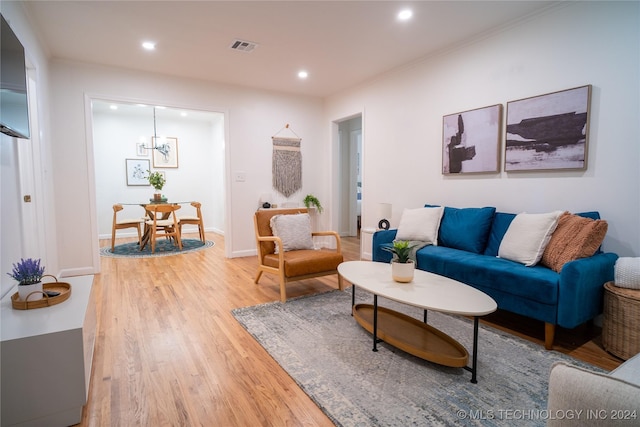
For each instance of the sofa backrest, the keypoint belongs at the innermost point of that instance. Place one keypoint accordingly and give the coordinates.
(478, 230)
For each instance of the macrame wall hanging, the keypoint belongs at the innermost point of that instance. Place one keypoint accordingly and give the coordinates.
(287, 163)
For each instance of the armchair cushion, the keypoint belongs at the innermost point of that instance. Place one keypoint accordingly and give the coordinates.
(303, 262)
(294, 230)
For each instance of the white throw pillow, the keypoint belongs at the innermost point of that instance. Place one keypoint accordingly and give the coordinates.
(528, 236)
(420, 224)
(294, 230)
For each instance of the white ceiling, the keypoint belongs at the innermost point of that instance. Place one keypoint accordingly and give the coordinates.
(340, 43)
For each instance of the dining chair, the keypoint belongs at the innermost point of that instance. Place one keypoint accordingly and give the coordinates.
(162, 222)
(195, 220)
(121, 223)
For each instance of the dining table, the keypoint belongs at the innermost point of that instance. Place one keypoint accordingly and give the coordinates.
(150, 215)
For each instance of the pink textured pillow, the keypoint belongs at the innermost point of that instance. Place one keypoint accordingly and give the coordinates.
(575, 237)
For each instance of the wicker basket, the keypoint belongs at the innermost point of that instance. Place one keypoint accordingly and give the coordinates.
(621, 323)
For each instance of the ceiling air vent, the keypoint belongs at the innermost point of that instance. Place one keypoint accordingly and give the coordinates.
(243, 46)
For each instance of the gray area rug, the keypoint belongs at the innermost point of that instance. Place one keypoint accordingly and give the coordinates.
(320, 345)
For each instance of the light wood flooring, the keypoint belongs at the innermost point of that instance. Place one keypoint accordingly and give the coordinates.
(169, 353)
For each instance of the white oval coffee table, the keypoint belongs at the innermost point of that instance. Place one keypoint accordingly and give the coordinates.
(428, 291)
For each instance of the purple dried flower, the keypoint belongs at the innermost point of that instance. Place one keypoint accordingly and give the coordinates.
(27, 272)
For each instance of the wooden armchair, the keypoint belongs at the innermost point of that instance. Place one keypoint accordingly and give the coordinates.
(293, 264)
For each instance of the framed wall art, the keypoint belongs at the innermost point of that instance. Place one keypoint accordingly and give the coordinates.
(471, 141)
(548, 132)
(165, 152)
(141, 150)
(137, 171)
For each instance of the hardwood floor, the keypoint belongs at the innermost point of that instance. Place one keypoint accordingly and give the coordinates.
(169, 353)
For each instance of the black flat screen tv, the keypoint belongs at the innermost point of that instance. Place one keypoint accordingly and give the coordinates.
(14, 109)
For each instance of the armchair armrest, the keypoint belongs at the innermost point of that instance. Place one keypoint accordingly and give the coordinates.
(331, 234)
(581, 289)
(274, 239)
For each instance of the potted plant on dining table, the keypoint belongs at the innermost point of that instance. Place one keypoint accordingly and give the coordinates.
(157, 180)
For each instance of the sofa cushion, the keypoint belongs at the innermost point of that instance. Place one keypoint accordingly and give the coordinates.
(535, 283)
(294, 230)
(500, 225)
(528, 236)
(575, 237)
(420, 224)
(466, 229)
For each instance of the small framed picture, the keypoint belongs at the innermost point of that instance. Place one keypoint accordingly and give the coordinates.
(141, 150)
(548, 132)
(137, 171)
(165, 152)
(471, 141)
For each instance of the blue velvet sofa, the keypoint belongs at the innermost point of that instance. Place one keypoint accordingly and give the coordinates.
(467, 249)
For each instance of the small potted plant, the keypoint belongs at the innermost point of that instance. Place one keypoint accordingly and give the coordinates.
(311, 200)
(157, 180)
(29, 274)
(402, 266)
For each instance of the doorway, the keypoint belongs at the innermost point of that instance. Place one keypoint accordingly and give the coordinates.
(350, 181)
(123, 132)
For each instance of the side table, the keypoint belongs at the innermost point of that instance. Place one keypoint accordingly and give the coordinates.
(621, 321)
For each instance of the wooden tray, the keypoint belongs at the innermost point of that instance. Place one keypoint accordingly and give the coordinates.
(47, 301)
(413, 336)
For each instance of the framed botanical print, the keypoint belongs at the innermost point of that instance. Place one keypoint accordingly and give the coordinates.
(548, 132)
(137, 171)
(165, 152)
(471, 141)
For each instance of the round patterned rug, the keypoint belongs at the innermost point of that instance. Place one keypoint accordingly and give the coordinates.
(163, 248)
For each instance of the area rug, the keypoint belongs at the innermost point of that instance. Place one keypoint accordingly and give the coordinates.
(319, 344)
(163, 248)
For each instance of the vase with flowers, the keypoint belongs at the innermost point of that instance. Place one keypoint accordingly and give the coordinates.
(28, 273)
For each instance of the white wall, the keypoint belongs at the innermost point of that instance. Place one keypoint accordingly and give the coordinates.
(199, 176)
(578, 43)
(252, 118)
(11, 203)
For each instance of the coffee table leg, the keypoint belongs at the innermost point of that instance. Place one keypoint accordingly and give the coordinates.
(353, 297)
(375, 323)
(474, 359)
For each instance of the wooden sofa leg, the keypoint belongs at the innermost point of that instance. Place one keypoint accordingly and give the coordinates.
(340, 282)
(549, 333)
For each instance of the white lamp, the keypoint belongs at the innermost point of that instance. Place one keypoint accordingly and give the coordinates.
(384, 212)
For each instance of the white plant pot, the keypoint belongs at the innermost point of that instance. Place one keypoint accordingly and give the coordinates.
(402, 272)
(25, 290)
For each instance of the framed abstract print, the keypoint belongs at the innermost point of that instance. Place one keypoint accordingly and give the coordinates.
(548, 132)
(471, 141)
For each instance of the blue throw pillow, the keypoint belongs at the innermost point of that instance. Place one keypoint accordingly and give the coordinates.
(501, 222)
(466, 229)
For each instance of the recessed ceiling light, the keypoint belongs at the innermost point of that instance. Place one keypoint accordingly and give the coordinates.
(405, 14)
(149, 45)
(184, 114)
(303, 74)
(113, 107)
